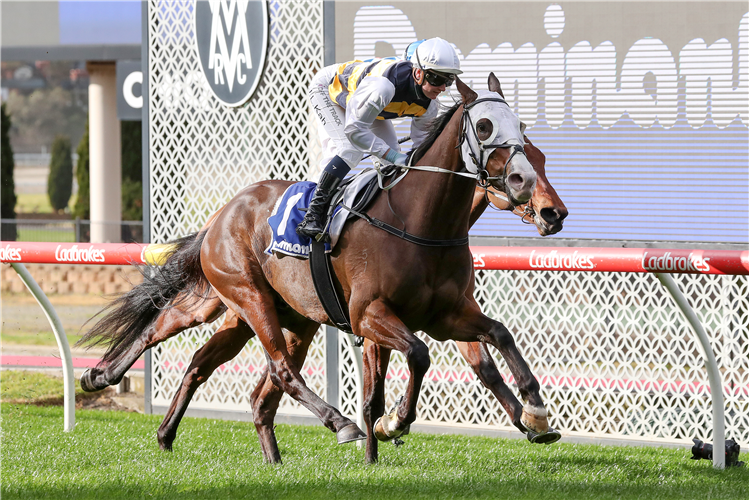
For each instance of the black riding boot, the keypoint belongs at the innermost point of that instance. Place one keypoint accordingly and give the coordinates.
(314, 220)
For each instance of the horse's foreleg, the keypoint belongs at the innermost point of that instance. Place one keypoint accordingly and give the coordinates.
(375, 366)
(480, 359)
(223, 346)
(169, 323)
(267, 396)
(470, 324)
(379, 324)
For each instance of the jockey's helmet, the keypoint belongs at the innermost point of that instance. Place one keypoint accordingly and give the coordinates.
(437, 55)
(411, 48)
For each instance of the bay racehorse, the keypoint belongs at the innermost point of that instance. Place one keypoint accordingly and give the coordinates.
(234, 333)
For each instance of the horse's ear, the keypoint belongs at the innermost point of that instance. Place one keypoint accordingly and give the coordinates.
(494, 85)
(465, 91)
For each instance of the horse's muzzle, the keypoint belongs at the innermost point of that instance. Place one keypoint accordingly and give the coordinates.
(550, 220)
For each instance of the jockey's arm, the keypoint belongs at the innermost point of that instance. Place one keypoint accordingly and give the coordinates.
(368, 101)
(420, 124)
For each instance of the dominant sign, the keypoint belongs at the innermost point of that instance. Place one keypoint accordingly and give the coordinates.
(231, 38)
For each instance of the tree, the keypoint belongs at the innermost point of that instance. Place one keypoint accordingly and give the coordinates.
(82, 207)
(8, 192)
(42, 115)
(132, 171)
(60, 181)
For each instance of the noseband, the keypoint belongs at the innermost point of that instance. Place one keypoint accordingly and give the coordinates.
(466, 124)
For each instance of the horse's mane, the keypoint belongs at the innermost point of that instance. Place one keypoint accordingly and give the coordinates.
(437, 126)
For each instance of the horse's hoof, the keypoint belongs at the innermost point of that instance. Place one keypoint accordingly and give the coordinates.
(535, 419)
(86, 383)
(379, 431)
(350, 433)
(385, 428)
(551, 436)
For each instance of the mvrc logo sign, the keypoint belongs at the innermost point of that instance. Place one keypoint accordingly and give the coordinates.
(232, 39)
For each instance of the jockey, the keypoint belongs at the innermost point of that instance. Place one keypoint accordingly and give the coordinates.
(354, 102)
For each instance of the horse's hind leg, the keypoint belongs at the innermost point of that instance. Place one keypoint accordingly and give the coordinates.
(246, 292)
(267, 396)
(223, 346)
(170, 322)
(480, 359)
(375, 366)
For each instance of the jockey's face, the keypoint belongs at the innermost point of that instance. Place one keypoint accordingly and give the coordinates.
(429, 90)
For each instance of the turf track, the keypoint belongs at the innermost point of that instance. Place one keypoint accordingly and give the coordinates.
(114, 455)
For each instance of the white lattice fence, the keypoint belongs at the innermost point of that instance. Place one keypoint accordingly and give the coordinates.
(202, 153)
(612, 351)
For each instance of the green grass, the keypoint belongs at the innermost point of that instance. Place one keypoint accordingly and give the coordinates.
(33, 203)
(32, 387)
(24, 322)
(56, 233)
(37, 339)
(113, 455)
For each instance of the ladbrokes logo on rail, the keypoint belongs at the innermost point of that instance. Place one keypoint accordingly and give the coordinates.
(232, 38)
(690, 262)
(9, 254)
(75, 254)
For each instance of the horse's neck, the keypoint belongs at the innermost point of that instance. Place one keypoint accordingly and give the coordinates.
(478, 206)
(438, 204)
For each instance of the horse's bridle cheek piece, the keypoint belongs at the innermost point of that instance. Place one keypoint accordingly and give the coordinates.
(483, 177)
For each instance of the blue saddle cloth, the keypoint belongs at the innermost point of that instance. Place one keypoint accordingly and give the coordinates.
(286, 217)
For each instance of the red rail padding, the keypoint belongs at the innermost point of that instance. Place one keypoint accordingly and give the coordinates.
(626, 260)
(629, 260)
(114, 254)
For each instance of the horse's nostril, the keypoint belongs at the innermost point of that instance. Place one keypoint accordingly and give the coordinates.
(515, 181)
(552, 215)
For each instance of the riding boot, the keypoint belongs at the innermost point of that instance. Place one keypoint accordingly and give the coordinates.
(314, 220)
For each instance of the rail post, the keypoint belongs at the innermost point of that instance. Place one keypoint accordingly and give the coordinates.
(62, 343)
(713, 373)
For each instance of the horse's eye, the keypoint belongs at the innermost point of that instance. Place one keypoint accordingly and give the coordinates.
(484, 129)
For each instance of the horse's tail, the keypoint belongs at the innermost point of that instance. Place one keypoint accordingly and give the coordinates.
(178, 281)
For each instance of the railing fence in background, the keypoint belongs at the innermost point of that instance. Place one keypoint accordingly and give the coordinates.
(611, 352)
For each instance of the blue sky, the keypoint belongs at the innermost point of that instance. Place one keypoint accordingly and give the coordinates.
(98, 22)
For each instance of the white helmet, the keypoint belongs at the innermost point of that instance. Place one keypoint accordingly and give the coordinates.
(438, 55)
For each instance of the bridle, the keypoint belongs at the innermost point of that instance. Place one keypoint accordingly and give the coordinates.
(528, 211)
(481, 176)
(466, 124)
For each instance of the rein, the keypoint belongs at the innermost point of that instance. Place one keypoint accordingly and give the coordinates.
(482, 178)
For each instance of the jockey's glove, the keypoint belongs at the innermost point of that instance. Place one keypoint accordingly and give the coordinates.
(396, 158)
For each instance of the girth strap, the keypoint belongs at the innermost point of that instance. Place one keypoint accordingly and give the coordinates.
(322, 278)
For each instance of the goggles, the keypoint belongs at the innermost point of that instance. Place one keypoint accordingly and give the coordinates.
(438, 79)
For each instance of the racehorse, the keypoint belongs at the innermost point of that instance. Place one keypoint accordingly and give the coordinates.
(234, 333)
